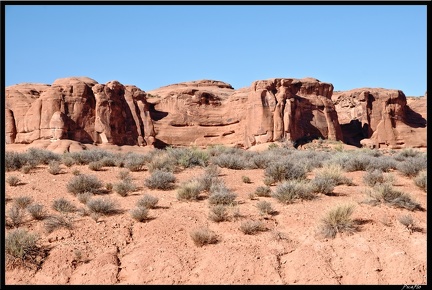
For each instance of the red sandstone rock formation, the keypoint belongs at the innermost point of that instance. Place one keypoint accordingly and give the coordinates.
(379, 118)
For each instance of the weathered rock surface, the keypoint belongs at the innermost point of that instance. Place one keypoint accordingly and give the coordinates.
(207, 112)
(379, 118)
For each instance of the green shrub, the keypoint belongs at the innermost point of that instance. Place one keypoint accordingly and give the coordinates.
(162, 161)
(218, 213)
(63, 205)
(263, 191)
(413, 165)
(21, 248)
(67, 160)
(383, 163)
(220, 194)
(84, 183)
(57, 221)
(13, 180)
(189, 157)
(338, 220)
(84, 157)
(252, 227)
(42, 156)
(23, 201)
(332, 171)
(359, 162)
(385, 193)
(124, 187)
(37, 211)
(14, 160)
(189, 190)
(246, 179)
(371, 178)
(203, 236)
(14, 216)
(135, 162)
(147, 201)
(140, 214)
(54, 167)
(284, 170)
(288, 191)
(231, 161)
(265, 207)
(323, 184)
(160, 180)
(102, 205)
(421, 180)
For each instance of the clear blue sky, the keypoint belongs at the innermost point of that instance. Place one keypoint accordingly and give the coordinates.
(350, 46)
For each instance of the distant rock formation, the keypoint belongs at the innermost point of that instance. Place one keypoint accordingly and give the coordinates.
(208, 112)
(379, 118)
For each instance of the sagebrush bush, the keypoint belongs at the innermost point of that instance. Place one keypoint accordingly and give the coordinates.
(373, 177)
(161, 161)
(139, 214)
(334, 172)
(385, 193)
(37, 211)
(285, 170)
(406, 220)
(54, 167)
(14, 160)
(218, 213)
(102, 205)
(54, 222)
(263, 191)
(124, 174)
(189, 157)
(338, 220)
(357, 162)
(124, 187)
(14, 216)
(220, 194)
(232, 161)
(252, 227)
(84, 183)
(203, 236)
(42, 156)
(13, 180)
(76, 172)
(21, 247)
(323, 184)
(67, 160)
(26, 168)
(23, 201)
(288, 191)
(63, 205)
(421, 180)
(209, 176)
(135, 162)
(265, 207)
(246, 179)
(160, 179)
(84, 197)
(95, 165)
(189, 190)
(406, 153)
(413, 165)
(147, 201)
(84, 157)
(383, 163)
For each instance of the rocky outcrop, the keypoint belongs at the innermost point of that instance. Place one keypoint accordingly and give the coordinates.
(79, 109)
(379, 118)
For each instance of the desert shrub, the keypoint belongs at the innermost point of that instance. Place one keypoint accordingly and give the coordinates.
(84, 183)
(124, 174)
(109, 186)
(413, 165)
(210, 174)
(160, 180)
(26, 168)
(323, 184)
(95, 165)
(334, 172)
(124, 187)
(189, 190)
(139, 214)
(101, 205)
(13, 180)
(108, 161)
(357, 162)
(373, 177)
(161, 161)
(54, 222)
(21, 248)
(252, 227)
(84, 157)
(36, 211)
(135, 162)
(338, 220)
(42, 156)
(246, 179)
(289, 191)
(383, 163)
(218, 213)
(203, 236)
(189, 157)
(263, 191)
(147, 201)
(406, 153)
(309, 159)
(220, 194)
(260, 160)
(385, 193)
(54, 167)
(14, 160)
(76, 172)
(421, 180)
(284, 170)
(14, 216)
(265, 207)
(406, 220)
(268, 180)
(67, 160)
(84, 197)
(63, 205)
(23, 201)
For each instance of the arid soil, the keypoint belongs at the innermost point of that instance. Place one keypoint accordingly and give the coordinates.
(118, 250)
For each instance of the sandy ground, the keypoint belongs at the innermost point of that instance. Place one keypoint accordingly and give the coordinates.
(119, 250)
